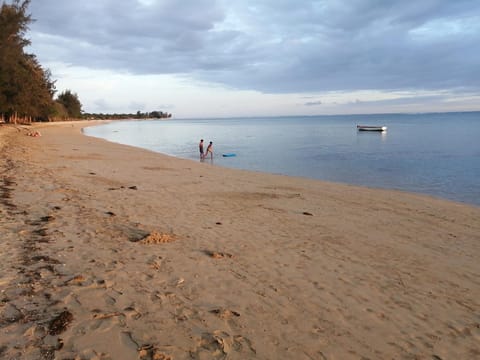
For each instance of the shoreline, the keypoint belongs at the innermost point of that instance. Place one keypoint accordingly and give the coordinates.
(128, 253)
(417, 178)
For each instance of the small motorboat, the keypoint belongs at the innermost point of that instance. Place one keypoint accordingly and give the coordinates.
(371, 128)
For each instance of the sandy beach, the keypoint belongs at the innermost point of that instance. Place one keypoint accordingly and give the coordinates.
(114, 252)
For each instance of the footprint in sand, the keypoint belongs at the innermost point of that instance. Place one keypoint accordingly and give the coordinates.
(150, 352)
(219, 344)
(224, 313)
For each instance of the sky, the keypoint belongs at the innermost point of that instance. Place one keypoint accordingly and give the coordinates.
(234, 58)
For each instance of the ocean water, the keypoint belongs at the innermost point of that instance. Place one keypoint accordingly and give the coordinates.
(436, 154)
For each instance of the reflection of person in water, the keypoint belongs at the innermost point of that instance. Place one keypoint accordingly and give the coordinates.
(200, 148)
(209, 150)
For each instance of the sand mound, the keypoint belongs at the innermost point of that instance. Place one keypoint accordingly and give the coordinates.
(157, 238)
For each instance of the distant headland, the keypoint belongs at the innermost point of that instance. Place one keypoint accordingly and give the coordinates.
(137, 115)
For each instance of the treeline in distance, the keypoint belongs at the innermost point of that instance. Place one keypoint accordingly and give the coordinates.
(27, 90)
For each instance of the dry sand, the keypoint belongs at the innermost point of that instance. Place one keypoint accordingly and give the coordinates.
(113, 252)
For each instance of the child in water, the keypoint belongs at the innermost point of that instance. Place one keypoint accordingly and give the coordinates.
(209, 150)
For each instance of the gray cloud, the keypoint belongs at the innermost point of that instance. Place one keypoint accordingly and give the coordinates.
(313, 103)
(271, 46)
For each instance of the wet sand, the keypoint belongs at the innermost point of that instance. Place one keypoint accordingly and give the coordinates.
(114, 252)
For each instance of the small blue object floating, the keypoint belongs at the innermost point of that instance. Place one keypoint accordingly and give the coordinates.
(229, 155)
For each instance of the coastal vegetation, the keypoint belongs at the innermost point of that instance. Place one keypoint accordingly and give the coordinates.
(138, 115)
(27, 89)
(68, 105)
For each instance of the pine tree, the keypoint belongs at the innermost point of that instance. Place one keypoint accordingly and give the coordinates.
(26, 89)
(71, 103)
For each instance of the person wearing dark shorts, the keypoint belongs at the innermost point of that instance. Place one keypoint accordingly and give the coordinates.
(200, 148)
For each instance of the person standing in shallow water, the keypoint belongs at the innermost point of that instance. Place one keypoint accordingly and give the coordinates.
(200, 148)
(209, 150)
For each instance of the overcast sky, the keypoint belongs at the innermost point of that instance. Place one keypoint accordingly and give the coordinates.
(202, 58)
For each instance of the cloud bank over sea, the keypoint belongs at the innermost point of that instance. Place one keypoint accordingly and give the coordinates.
(272, 47)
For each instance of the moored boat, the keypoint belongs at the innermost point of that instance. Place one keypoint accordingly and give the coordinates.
(371, 128)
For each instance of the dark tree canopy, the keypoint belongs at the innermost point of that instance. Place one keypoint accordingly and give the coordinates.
(26, 89)
(71, 104)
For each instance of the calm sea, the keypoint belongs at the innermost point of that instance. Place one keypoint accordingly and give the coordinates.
(436, 154)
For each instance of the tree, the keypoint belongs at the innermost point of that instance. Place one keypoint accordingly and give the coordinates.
(26, 89)
(71, 103)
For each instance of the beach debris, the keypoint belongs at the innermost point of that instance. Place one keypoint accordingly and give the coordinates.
(307, 213)
(218, 255)
(44, 258)
(145, 350)
(111, 213)
(133, 187)
(107, 316)
(218, 223)
(47, 218)
(224, 342)
(60, 323)
(76, 280)
(157, 238)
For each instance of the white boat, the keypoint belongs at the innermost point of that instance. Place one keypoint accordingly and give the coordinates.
(371, 128)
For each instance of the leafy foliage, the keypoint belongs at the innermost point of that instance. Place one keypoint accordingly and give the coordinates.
(26, 89)
(71, 104)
